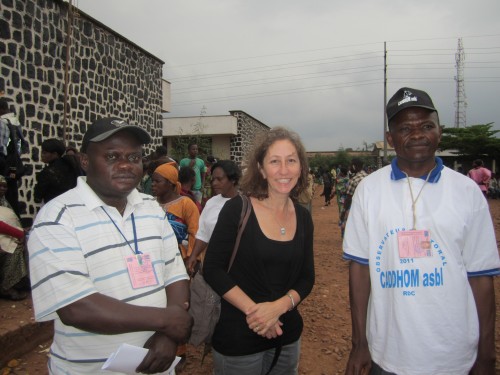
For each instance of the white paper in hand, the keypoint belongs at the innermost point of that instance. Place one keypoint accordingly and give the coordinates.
(128, 357)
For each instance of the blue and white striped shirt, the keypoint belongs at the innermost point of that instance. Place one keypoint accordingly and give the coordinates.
(76, 250)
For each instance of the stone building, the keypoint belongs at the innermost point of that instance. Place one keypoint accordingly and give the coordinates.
(106, 75)
(230, 136)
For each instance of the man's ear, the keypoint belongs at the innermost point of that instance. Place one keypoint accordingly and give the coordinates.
(84, 161)
(388, 136)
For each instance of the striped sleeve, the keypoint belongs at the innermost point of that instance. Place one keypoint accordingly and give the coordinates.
(58, 270)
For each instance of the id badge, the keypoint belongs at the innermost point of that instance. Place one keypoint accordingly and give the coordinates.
(141, 271)
(414, 244)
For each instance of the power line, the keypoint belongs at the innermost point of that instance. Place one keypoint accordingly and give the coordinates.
(273, 67)
(264, 75)
(278, 80)
(276, 54)
(279, 92)
(245, 58)
(447, 54)
(439, 49)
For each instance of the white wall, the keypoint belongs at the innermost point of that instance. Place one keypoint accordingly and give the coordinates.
(200, 125)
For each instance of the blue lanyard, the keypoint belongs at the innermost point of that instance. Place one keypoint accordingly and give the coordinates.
(133, 227)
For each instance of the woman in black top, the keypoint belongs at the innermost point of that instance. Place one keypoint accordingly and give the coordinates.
(274, 268)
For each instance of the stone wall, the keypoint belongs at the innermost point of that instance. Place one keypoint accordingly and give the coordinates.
(108, 75)
(249, 129)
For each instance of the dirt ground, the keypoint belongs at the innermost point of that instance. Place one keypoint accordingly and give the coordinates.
(327, 332)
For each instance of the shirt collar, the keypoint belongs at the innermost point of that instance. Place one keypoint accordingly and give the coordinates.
(92, 200)
(398, 174)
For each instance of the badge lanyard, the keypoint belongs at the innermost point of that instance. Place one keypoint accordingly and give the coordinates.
(135, 233)
(414, 200)
(140, 266)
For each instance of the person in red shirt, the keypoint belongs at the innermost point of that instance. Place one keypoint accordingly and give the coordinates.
(480, 175)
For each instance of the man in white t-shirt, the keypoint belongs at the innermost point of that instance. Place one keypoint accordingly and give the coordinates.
(104, 262)
(422, 266)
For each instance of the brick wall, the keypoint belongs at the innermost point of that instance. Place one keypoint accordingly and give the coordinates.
(108, 75)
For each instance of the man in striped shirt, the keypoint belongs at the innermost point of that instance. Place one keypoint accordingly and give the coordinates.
(105, 265)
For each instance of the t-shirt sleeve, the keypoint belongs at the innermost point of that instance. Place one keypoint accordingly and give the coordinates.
(58, 271)
(203, 230)
(192, 217)
(355, 243)
(203, 167)
(480, 252)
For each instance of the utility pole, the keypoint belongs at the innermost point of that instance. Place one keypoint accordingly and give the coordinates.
(384, 160)
(460, 103)
(69, 32)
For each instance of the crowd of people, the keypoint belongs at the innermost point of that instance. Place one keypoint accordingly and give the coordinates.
(116, 241)
(119, 236)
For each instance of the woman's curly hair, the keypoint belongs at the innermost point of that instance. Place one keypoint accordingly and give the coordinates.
(253, 183)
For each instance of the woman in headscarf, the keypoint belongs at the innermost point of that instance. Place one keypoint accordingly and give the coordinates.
(182, 213)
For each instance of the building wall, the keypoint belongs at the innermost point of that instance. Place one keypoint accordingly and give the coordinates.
(196, 125)
(221, 148)
(232, 136)
(249, 129)
(108, 76)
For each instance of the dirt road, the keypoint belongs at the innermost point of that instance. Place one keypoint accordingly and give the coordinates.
(326, 340)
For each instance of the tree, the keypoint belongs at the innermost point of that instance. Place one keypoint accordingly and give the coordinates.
(472, 142)
(343, 158)
(181, 142)
(327, 162)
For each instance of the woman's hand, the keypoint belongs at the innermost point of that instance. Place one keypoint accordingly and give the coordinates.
(274, 331)
(264, 316)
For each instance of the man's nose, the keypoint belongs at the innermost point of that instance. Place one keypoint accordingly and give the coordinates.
(416, 132)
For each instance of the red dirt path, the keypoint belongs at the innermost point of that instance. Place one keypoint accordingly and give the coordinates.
(326, 338)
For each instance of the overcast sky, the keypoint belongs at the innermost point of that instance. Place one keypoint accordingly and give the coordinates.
(316, 66)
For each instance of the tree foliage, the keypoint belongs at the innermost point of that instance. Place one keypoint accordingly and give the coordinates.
(342, 157)
(472, 142)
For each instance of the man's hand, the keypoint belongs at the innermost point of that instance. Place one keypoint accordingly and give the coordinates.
(179, 324)
(190, 264)
(483, 367)
(360, 361)
(160, 356)
(484, 296)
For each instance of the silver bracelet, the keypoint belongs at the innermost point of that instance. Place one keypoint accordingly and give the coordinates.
(291, 299)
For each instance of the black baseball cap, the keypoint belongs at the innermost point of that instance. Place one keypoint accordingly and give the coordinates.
(407, 97)
(105, 127)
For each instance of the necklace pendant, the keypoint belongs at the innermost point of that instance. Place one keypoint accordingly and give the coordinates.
(283, 231)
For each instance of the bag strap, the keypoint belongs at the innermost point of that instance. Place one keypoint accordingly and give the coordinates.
(277, 352)
(245, 214)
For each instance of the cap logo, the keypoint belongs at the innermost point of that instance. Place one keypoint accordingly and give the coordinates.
(118, 123)
(407, 98)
